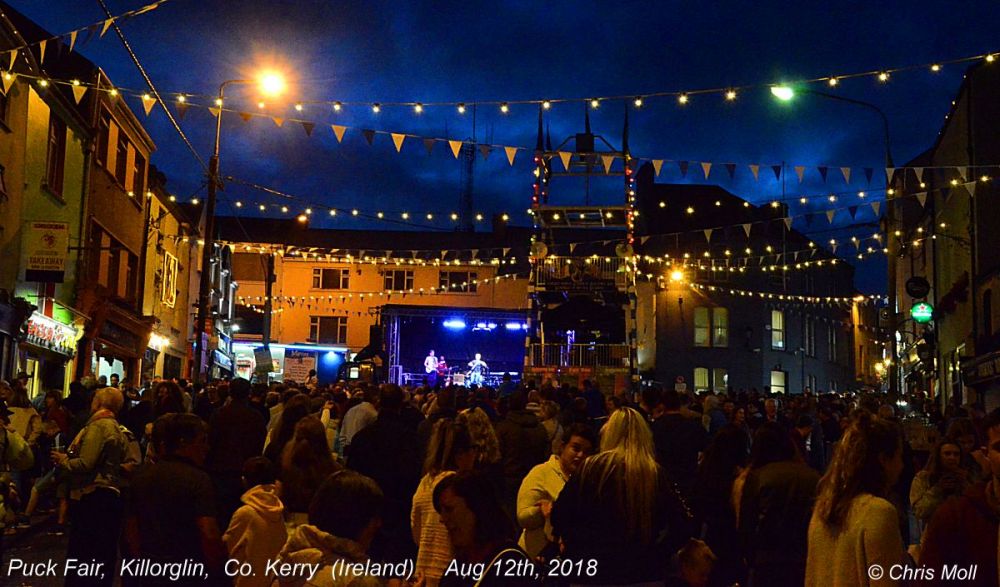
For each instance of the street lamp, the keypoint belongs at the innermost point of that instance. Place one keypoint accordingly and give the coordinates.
(271, 84)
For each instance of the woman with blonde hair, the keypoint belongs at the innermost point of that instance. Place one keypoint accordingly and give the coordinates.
(854, 526)
(620, 508)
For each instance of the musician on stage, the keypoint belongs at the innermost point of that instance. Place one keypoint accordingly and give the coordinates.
(477, 370)
(442, 370)
(431, 368)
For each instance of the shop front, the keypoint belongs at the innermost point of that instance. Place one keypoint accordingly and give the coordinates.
(14, 312)
(115, 343)
(162, 359)
(982, 375)
(291, 362)
(47, 352)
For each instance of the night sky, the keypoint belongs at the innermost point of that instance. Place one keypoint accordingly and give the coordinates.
(468, 51)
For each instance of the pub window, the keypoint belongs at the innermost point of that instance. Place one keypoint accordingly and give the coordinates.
(55, 158)
(700, 379)
(711, 327)
(121, 159)
(720, 380)
(457, 281)
(139, 176)
(328, 329)
(777, 329)
(103, 138)
(778, 379)
(398, 280)
(331, 278)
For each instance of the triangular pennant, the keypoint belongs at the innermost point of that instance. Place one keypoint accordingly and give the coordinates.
(777, 171)
(456, 147)
(730, 169)
(708, 235)
(822, 172)
(833, 247)
(107, 25)
(278, 120)
(888, 174)
(369, 135)
(565, 156)
(182, 108)
(829, 215)
(746, 229)
(607, 161)
(971, 187)
(91, 31)
(868, 174)
(13, 58)
(572, 247)
(846, 172)
(246, 116)
(875, 208)
(920, 173)
(797, 255)
(215, 111)
(147, 103)
(8, 81)
(429, 145)
(963, 173)
(308, 127)
(485, 151)
(788, 222)
(853, 211)
(922, 198)
(339, 131)
(683, 166)
(41, 50)
(657, 165)
(72, 40)
(397, 139)
(755, 170)
(511, 153)
(78, 92)
(642, 240)
(506, 250)
(800, 171)
(706, 167)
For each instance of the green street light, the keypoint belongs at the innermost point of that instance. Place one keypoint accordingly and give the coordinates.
(783, 93)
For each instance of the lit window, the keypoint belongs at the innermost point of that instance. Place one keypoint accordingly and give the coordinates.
(777, 329)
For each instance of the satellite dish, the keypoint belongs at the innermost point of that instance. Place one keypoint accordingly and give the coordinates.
(539, 250)
(623, 250)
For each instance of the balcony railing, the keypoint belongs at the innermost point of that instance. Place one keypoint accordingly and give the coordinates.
(580, 271)
(579, 355)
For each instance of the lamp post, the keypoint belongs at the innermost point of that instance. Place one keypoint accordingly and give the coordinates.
(787, 93)
(270, 83)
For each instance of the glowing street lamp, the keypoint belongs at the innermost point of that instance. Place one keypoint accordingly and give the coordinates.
(783, 93)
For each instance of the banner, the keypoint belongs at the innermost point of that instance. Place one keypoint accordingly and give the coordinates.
(46, 246)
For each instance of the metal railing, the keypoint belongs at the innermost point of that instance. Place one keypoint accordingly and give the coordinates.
(579, 355)
(580, 270)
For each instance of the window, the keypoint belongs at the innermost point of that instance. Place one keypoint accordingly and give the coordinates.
(833, 387)
(700, 379)
(988, 312)
(457, 281)
(398, 279)
(121, 159)
(139, 177)
(811, 383)
(131, 271)
(55, 158)
(103, 138)
(777, 329)
(328, 329)
(810, 336)
(711, 327)
(720, 380)
(168, 281)
(778, 381)
(4, 107)
(832, 343)
(331, 278)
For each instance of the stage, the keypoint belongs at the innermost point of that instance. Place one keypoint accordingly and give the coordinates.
(411, 332)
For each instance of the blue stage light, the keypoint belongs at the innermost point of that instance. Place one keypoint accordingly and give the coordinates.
(454, 324)
(516, 326)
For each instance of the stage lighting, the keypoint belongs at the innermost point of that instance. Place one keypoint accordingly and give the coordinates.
(454, 324)
(515, 326)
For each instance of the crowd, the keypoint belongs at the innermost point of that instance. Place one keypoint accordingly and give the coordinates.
(287, 484)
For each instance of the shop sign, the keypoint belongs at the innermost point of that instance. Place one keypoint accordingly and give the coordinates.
(46, 333)
(46, 245)
(118, 335)
(982, 369)
(298, 365)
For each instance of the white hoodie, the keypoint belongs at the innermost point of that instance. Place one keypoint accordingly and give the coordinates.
(257, 533)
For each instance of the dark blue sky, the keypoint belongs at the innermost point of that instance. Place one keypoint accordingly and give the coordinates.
(468, 51)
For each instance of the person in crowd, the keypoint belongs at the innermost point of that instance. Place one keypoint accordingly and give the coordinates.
(277, 397)
(257, 531)
(941, 478)
(358, 418)
(15, 455)
(963, 432)
(344, 518)
(771, 413)
(387, 452)
(679, 441)
(549, 417)
(853, 525)
(296, 408)
(712, 501)
(450, 450)
(594, 399)
(55, 412)
(693, 565)
(479, 530)
(305, 462)
(963, 531)
(26, 421)
(775, 507)
(171, 513)
(442, 408)
(621, 509)
(258, 392)
(49, 479)
(542, 486)
(714, 417)
(236, 433)
(800, 435)
(524, 443)
(211, 399)
(94, 462)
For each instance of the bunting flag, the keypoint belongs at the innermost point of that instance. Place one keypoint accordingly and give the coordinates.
(246, 116)
(800, 171)
(182, 108)
(107, 25)
(13, 58)
(505, 251)
(72, 40)
(147, 103)
(215, 111)
(706, 166)
(683, 166)
(746, 229)
(788, 223)
(511, 153)
(572, 247)
(833, 247)
(971, 187)
(397, 139)
(853, 211)
(429, 145)
(875, 208)
(657, 165)
(888, 174)
(485, 151)
(78, 92)
(963, 173)
(8, 81)
(829, 215)
(755, 170)
(369, 135)
(920, 173)
(607, 161)
(731, 169)
(565, 156)
(777, 171)
(41, 50)
(868, 174)
(708, 235)
(280, 121)
(846, 172)
(822, 172)
(308, 127)
(922, 198)
(643, 239)
(339, 132)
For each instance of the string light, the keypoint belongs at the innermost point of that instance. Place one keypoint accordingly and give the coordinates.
(418, 108)
(832, 82)
(637, 102)
(461, 108)
(546, 104)
(333, 212)
(504, 108)
(935, 68)
(682, 99)
(298, 107)
(595, 103)
(182, 98)
(380, 215)
(194, 201)
(337, 106)
(990, 58)
(239, 204)
(883, 76)
(376, 107)
(730, 95)
(284, 209)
